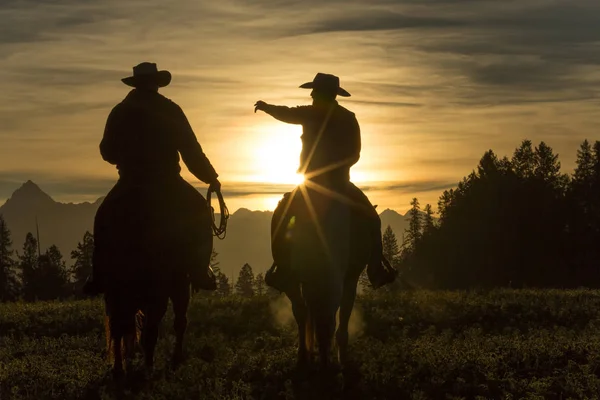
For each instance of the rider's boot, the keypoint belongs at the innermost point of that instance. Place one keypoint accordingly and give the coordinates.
(204, 280)
(277, 278)
(379, 270)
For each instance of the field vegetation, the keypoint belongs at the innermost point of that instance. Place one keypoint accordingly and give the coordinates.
(500, 344)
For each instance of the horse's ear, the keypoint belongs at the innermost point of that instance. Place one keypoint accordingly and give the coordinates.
(375, 206)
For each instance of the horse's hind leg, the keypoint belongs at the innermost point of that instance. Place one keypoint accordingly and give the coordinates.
(115, 338)
(300, 312)
(325, 327)
(129, 347)
(154, 313)
(341, 336)
(181, 302)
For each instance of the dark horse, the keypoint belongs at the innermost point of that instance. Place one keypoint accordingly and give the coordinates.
(325, 242)
(151, 252)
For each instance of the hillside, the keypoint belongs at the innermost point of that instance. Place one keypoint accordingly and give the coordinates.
(63, 224)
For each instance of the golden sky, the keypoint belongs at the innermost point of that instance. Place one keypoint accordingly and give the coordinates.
(434, 83)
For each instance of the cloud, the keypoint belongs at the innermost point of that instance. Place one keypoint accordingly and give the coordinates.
(430, 80)
(417, 186)
(375, 20)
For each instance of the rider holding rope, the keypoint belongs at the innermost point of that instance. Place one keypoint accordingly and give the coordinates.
(331, 145)
(144, 136)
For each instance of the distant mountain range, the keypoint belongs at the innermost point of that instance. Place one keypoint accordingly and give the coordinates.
(63, 224)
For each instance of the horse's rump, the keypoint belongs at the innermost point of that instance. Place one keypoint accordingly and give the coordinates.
(332, 229)
(144, 230)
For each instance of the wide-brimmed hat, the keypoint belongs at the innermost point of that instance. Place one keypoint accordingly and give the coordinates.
(147, 72)
(326, 82)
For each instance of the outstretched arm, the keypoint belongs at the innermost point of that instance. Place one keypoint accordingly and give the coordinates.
(191, 151)
(290, 115)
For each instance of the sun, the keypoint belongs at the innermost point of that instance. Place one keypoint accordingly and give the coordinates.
(276, 153)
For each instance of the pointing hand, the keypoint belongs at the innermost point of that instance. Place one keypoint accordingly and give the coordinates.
(259, 105)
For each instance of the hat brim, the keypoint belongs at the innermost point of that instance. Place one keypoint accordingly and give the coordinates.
(161, 79)
(311, 85)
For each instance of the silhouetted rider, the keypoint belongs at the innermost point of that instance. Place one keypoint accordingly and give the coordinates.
(331, 145)
(143, 137)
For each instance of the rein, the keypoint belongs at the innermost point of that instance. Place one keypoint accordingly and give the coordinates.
(221, 230)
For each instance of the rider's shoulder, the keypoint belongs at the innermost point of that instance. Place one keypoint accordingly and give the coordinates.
(167, 100)
(117, 109)
(170, 104)
(347, 112)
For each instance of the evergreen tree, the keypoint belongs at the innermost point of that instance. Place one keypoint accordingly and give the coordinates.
(8, 280)
(489, 166)
(82, 267)
(428, 224)
(547, 167)
(413, 234)
(223, 286)
(524, 160)
(44, 277)
(364, 282)
(391, 250)
(596, 153)
(584, 172)
(444, 202)
(51, 276)
(214, 264)
(28, 264)
(259, 285)
(245, 282)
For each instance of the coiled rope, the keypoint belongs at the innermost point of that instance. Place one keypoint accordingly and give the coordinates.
(220, 231)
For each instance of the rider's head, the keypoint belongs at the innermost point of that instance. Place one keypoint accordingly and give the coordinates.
(325, 88)
(146, 76)
(323, 96)
(149, 85)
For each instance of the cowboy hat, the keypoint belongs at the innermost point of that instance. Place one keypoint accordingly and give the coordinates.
(326, 82)
(147, 72)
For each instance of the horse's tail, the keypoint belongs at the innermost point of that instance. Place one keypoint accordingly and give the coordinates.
(109, 342)
(139, 325)
(310, 332)
(137, 335)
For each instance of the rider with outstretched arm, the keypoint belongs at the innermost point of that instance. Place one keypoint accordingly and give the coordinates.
(331, 145)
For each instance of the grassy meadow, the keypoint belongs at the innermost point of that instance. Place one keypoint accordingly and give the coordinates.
(504, 344)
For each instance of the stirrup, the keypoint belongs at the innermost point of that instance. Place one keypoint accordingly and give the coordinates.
(205, 282)
(274, 278)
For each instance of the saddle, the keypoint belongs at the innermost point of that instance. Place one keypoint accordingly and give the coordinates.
(295, 208)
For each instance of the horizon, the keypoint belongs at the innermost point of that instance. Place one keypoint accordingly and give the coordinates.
(433, 85)
(91, 201)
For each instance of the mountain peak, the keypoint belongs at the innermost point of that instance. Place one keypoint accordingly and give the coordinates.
(29, 193)
(244, 212)
(390, 212)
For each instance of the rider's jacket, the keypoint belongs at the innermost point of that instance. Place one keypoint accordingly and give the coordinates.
(144, 135)
(331, 141)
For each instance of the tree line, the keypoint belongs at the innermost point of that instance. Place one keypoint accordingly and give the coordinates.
(517, 222)
(31, 274)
